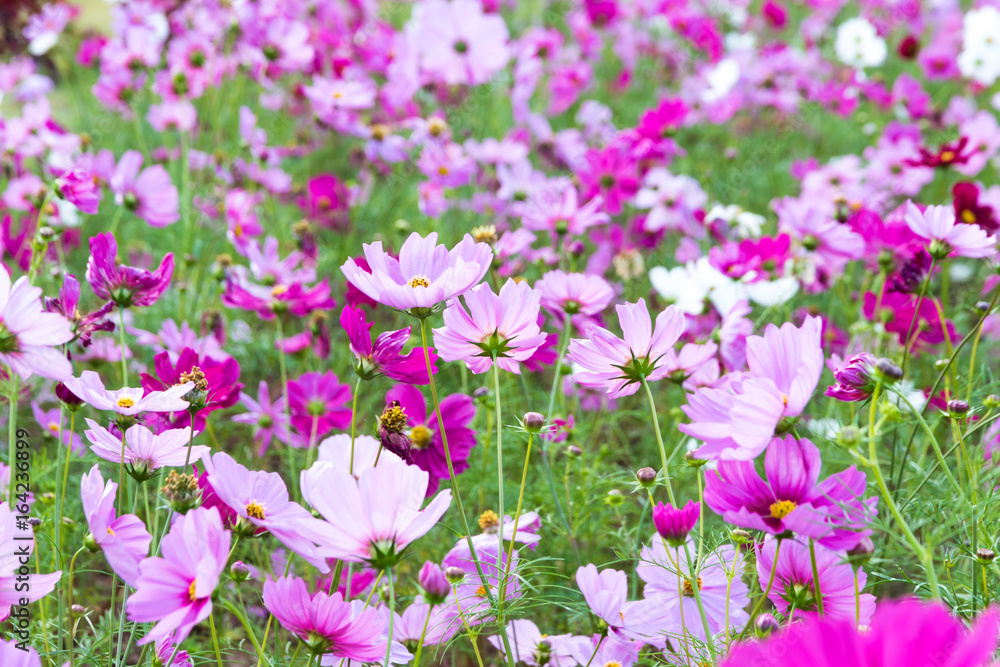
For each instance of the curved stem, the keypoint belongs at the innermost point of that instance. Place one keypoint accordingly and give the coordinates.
(423, 636)
(659, 442)
(392, 615)
(815, 573)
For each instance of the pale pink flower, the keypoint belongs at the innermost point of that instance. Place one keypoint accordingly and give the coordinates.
(28, 334)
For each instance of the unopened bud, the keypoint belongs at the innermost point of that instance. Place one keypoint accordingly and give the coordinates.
(861, 554)
(454, 575)
(957, 408)
(765, 625)
(849, 436)
(940, 364)
(991, 402)
(694, 461)
(889, 371)
(985, 556)
(573, 450)
(35, 521)
(741, 536)
(533, 422)
(78, 610)
(434, 581)
(646, 477)
(982, 307)
(239, 571)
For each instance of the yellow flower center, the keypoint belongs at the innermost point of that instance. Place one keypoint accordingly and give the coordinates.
(481, 592)
(54, 427)
(420, 436)
(947, 156)
(111, 532)
(782, 508)
(488, 520)
(191, 594)
(278, 290)
(443, 170)
(419, 281)
(125, 402)
(380, 132)
(968, 217)
(612, 663)
(688, 590)
(255, 510)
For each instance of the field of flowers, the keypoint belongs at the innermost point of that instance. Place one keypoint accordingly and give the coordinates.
(587, 333)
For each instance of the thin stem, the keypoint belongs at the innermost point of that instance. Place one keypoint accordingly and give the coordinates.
(659, 442)
(934, 443)
(567, 331)
(517, 515)
(423, 636)
(354, 417)
(121, 340)
(815, 573)
(496, 401)
(215, 640)
(468, 631)
(596, 649)
(760, 602)
(12, 436)
(920, 299)
(392, 615)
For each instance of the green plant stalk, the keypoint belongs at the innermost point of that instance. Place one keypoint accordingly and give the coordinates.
(916, 312)
(767, 591)
(423, 635)
(121, 339)
(696, 589)
(468, 631)
(354, 421)
(659, 442)
(500, 512)
(392, 615)
(815, 573)
(517, 516)
(934, 443)
(12, 435)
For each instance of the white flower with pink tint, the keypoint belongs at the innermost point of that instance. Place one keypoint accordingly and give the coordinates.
(28, 334)
(937, 225)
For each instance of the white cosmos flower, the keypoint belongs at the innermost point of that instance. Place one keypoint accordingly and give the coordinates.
(858, 44)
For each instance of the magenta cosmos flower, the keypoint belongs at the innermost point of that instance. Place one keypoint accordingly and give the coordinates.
(266, 416)
(123, 539)
(219, 387)
(855, 379)
(128, 401)
(669, 587)
(77, 186)
(326, 623)
(175, 590)
(831, 512)
(674, 524)
(125, 285)
(17, 542)
(260, 500)
(501, 328)
(150, 194)
(145, 452)
(28, 334)
(67, 304)
(620, 364)
(385, 356)
(426, 448)
(794, 585)
(937, 225)
(425, 275)
(318, 401)
(373, 518)
(908, 633)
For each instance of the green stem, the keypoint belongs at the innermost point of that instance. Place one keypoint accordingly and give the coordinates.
(215, 640)
(815, 573)
(659, 442)
(496, 401)
(567, 332)
(12, 435)
(423, 636)
(354, 418)
(517, 514)
(392, 615)
(916, 312)
(121, 338)
(767, 591)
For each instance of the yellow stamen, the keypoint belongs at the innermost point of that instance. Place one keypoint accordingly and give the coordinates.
(255, 510)
(488, 519)
(419, 281)
(782, 508)
(688, 589)
(420, 436)
(125, 402)
(191, 594)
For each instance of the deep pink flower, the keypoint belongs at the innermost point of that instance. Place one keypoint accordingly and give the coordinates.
(855, 379)
(150, 195)
(491, 328)
(125, 285)
(175, 590)
(674, 524)
(326, 200)
(67, 304)
(421, 426)
(908, 633)
(610, 173)
(793, 499)
(374, 518)
(326, 623)
(28, 335)
(425, 275)
(385, 356)
(794, 584)
(267, 416)
(969, 209)
(266, 300)
(260, 501)
(318, 400)
(221, 380)
(620, 364)
(937, 225)
(927, 328)
(78, 188)
(123, 539)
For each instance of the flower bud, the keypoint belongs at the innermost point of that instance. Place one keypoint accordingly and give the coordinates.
(694, 461)
(765, 625)
(646, 477)
(77, 610)
(533, 422)
(849, 436)
(855, 381)
(181, 490)
(674, 524)
(90, 543)
(740, 536)
(69, 399)
(34, 521)
(985, 556)
(573, 450)
(454, 575)
(940, 364)
(434, 582)
(957, 408)
(991, 402)
(239, 571)
(889, 371)
(982, 307)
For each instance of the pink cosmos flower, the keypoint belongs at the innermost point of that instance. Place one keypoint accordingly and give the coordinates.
(490, 328)
(526, 641)
(458, 43)
(77, 186)
(125, 285)
(221, 383)
(571, 293)
(612, 650)
(425, 275)
(610, 173)
(620, 364)
(673, 524)
(124, 539)
(855, 378)
(13, 655)
(385, 357)
(150, 195)
(337, 450)
(326, 623)
(374, 518)
(605, 593)
(28, 335)
(144, 451)
(128, 401)
(904, 633)
(50, 421)
(794, 584)
(67, 304)
(426, 447)
(937, 225)
(260, 500)
(558, 210)
(17, 542)
(318, 402)
(832, 512)
(267, 416)
(673, 600)
(175, 590)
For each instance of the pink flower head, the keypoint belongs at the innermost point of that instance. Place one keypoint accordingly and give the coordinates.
(571, 293)
(937, 225)
(127, 401)
(327, 200)
(53, 423)
(385, 356)
(16, 541)
(267, 416)
(125, 285)
(559, 211)
(326, 623)
(425, 275)
(610, 173)
(831, 512)
(150, 195)
(605, 593)
(458, 43)
(794, 584)
(123, 539)
(530, 646)
(669, 589)
(855, 379)
(620, 364)
(420, 425)
(260, 501)
(374, 518)
(215, 388)
(318, 402)
(28, 335)
(144, 452)
(175, 590)
(12, 654)
(674, 524)
(78, 188)
(67, 304)
(907, 633)
(490, 328)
